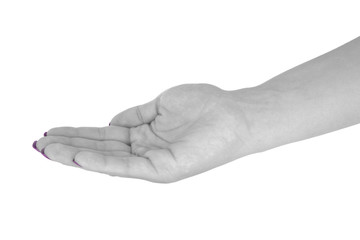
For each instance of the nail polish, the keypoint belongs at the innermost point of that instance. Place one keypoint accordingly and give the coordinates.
(109, 123)
(43, 153)
(34, 146)
(76, 163)
(45, 134)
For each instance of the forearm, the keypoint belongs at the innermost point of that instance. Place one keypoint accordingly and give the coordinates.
(314, 98)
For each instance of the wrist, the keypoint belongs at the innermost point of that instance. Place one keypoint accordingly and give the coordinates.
(269, 115)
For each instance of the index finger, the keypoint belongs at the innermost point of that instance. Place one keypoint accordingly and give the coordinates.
(115, 133)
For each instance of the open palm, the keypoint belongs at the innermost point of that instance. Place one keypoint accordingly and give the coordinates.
(186, 130)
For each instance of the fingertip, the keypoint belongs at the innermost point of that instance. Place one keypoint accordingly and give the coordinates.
(138, 115)
(34, 146)
(43, 153)
(80, 158)
(45, 134)
(76, 163)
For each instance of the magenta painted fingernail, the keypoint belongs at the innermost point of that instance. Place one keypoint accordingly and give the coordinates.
(76, 163)
(34, 146)
(45, 134)
(43, 153)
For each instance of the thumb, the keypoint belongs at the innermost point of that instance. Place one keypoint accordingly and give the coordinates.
(136, 116)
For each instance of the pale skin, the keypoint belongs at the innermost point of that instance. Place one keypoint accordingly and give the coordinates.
(192, 128)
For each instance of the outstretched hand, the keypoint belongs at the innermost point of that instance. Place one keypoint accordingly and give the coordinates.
(192, 128)
(186, 130)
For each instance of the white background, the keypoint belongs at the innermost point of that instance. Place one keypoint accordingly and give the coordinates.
(78, 63)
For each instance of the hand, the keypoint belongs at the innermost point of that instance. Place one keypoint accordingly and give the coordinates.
(190, 129)
(186, 130)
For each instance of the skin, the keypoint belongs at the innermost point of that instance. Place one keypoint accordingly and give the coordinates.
(193, 128)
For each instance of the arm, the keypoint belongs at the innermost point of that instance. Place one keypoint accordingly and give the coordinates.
(314, 98)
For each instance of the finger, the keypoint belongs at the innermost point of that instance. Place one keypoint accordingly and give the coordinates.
(104, 133)
(132, 167)
(83, 143)
(136, 116)
(65, 154)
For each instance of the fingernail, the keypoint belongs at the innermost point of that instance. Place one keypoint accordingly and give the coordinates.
(109, 123)
(34, 146)
(76, 163)
(45, 134)
(43, 153)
